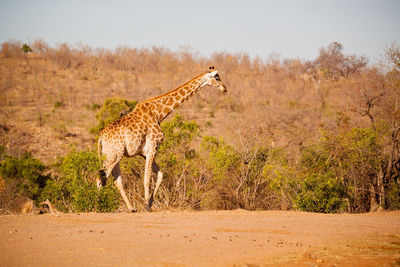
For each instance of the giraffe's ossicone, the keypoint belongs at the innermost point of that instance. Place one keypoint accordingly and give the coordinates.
(139, 133)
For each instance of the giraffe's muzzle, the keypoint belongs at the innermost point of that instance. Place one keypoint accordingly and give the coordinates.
(222, 87)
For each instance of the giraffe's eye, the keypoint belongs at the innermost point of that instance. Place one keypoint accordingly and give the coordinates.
(217, 77)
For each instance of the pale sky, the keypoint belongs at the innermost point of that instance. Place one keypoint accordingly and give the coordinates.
(289, 28)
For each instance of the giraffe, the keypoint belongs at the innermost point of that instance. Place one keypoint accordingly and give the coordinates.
(139, 133)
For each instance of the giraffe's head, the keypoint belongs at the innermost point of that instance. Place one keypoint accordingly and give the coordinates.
(213, 79)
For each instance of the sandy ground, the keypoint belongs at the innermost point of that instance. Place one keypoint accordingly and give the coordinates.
(211, 238)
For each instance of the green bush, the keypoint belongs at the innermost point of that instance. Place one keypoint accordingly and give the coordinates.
(112, 109)
(344, 165)
(26, 48)
(26, 172)
(75, 188)
(58, 104)
(107, 198)
(393, 196)
(224, 168)
(280, 176)
(175, 150)
(322, 193)
(222, 158)
(178, 132)
(177, 160)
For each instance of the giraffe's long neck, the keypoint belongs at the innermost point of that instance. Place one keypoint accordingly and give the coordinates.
(170, 101)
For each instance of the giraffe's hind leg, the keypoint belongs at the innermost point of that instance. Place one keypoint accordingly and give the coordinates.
(116, 172)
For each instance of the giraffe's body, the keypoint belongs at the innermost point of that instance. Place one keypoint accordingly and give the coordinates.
(139, 132)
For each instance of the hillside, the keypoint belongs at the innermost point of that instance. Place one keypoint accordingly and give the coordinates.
(47, 96)
(49, 99)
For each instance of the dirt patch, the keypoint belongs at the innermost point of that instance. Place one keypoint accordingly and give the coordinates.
(212, 238)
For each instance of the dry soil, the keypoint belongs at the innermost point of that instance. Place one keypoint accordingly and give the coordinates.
(210, 238)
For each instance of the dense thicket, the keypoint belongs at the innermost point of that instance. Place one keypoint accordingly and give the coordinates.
(319, 135)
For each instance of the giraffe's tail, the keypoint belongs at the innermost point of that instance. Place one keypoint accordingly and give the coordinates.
(102, 173)
(99, 148)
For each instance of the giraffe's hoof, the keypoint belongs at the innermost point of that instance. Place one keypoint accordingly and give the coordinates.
(149, 203)
(148, 208)
(132, 210)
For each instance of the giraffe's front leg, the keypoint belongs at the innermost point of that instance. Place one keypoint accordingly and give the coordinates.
(146, 179)
(156, 169)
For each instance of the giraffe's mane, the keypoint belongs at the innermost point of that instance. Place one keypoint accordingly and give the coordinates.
(176, 89)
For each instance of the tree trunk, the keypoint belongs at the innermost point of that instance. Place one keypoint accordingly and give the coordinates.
(381, 187)
(373, 201)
